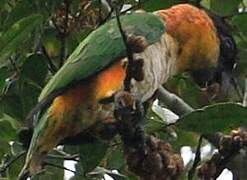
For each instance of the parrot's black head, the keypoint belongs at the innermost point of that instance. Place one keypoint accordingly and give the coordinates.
(222, 73)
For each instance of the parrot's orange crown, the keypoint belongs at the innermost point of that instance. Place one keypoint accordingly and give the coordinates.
(194, 31)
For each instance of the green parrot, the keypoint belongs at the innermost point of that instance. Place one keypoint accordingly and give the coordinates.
(177, 39)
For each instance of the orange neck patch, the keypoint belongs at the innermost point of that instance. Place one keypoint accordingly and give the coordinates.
(196, 35)
(110, 80)
(102, 85)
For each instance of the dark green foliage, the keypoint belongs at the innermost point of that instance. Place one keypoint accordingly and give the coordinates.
(215, 118)
(35, 69)
(91, 155)
(223, 8)
(30, 44)
(11, 40)
(240, 23)
(3, 76)
(153, 5)
(7, 126)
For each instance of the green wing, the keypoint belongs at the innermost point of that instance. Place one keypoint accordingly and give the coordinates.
(102, 47)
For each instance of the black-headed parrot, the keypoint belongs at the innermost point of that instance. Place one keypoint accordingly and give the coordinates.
(181, 38)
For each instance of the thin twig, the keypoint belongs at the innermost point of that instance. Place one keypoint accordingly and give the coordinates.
(13, 63)
(236, 87)
(197, 159)
(67, 157)
(64, 34)
(9, 163)
(115, 144)
(51, 66)
(61, 167)
(128, 52)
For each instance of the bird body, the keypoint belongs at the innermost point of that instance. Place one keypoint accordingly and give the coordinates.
(189, 42)
(72, 112)
(195, 33)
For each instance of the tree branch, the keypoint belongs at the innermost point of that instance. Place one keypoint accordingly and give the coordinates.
(74, 157)
(197, 160)
(128, 52)
(173, 102)
(62, 167)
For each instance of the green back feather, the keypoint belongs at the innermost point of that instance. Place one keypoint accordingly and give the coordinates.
(102, 47)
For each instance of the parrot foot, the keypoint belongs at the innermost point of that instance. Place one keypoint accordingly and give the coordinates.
(129, 113)
(147, 156)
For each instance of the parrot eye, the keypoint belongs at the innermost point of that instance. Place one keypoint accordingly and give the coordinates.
(107, 100)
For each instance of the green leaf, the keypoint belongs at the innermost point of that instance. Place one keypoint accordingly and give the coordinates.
(184, 138)
(241, 23)
(12, 39)
(154, 122)
(75, 38)
(51, 172)
(5, 148)
(22, 9)
(7, 128)
(35, 69)
(12, 106)
(47, 7)
(115, 159)
(186, 88)
(219, 117)
(79, 172)
(205, 3)
(51, 43)
(223, 8)
(16, 148)
(15, 168)
(153, 5)
(4, 74)
(91, 155)
(100, 171)
(102, 47)
(2, 3)
(29, 96)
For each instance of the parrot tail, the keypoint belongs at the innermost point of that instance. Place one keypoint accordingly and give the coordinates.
(33, 165)
(35, 155)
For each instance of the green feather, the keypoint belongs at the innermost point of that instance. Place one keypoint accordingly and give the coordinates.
(102, 47)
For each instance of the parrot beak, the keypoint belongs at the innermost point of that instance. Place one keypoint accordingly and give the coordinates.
(219, 82)
(204, 77)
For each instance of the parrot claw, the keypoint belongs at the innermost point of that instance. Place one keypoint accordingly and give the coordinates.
(129, 113)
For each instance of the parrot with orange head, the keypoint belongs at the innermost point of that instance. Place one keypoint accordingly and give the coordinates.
(179, 39)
